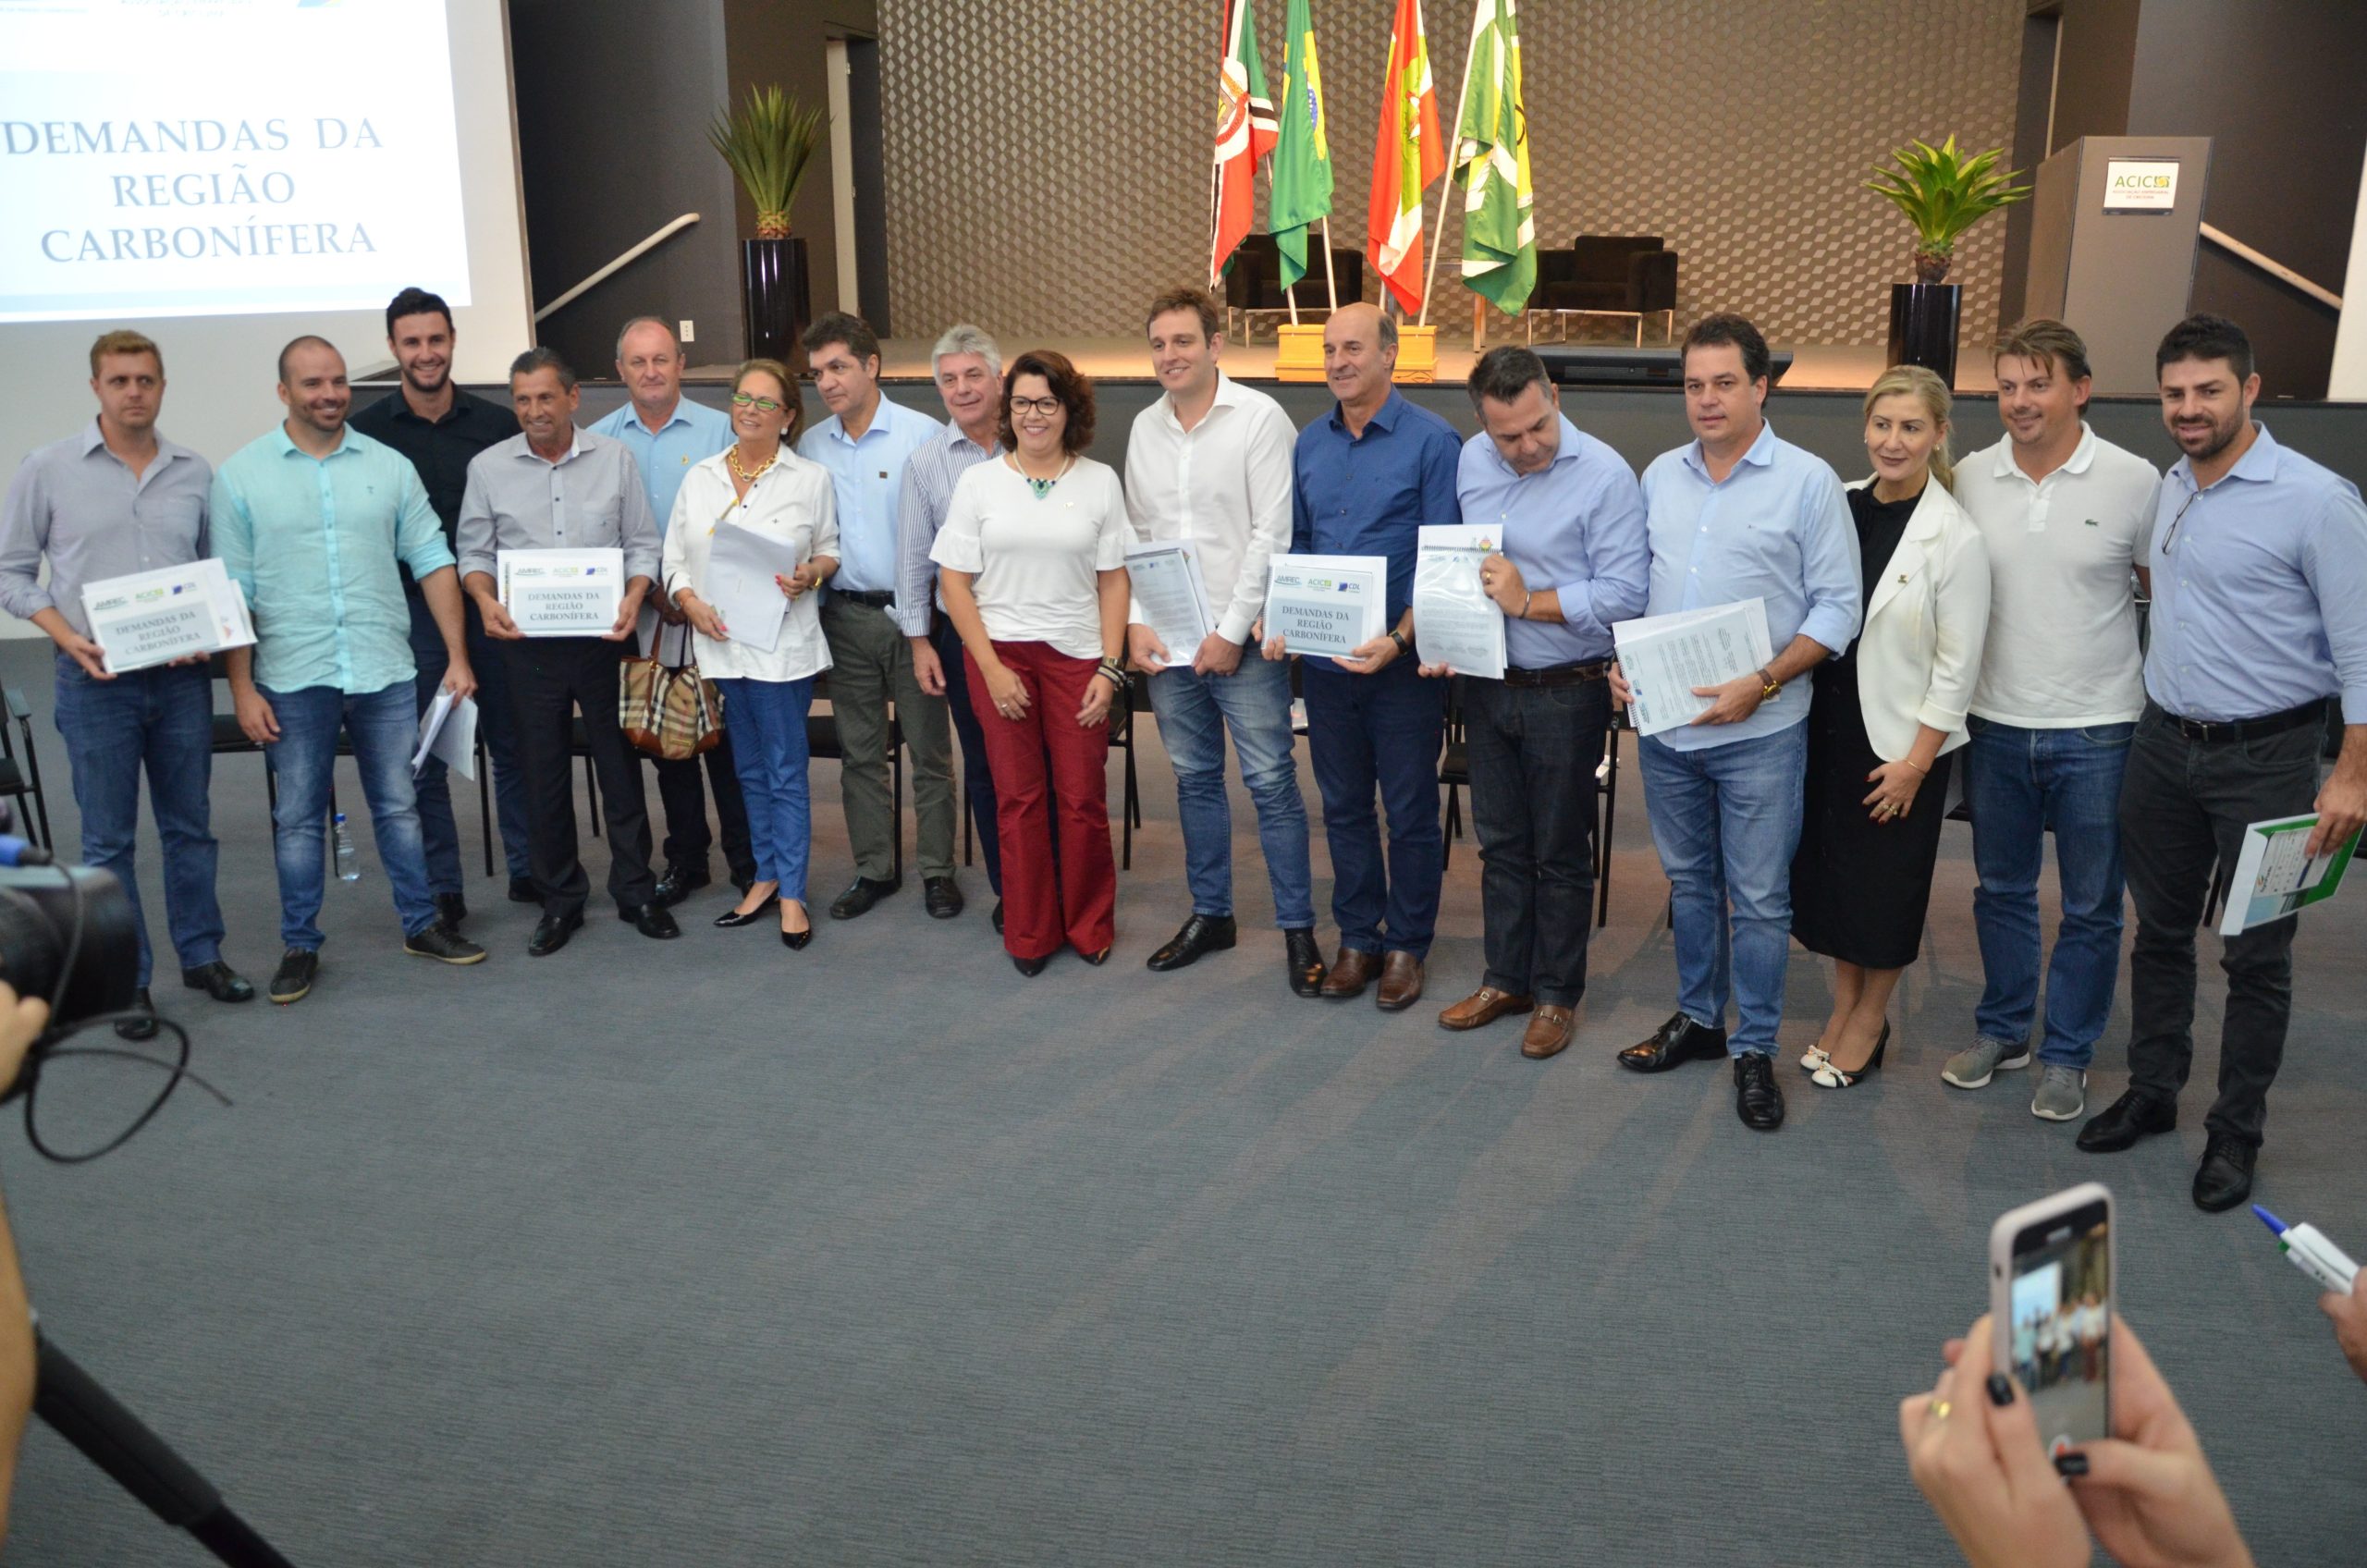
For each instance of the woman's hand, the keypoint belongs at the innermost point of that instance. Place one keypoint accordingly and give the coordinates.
(2148, 1492)
(1006, 691)
(1895, 784)
(1099, 695)
(797, 584)
(1982, 1466)
(702, 617)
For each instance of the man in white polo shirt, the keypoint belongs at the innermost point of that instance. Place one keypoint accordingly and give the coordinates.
(2066, 516)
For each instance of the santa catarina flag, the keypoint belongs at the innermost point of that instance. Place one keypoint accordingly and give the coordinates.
(1407, 154)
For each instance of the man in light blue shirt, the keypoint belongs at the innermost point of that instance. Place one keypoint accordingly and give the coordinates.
(667, 433)
(1739, 514)
(863, 444)
(311, 520)
(2259, 561)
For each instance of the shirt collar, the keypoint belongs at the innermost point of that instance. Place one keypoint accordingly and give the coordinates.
(1384, 418)
(1760, 454)
(94, 440)
(882, 420)
(2258, 464)
(2082, 457)
(288, 448)
(954, 440)
(1567, 452)
(574, 446)
(1228, 397)
(632, 418)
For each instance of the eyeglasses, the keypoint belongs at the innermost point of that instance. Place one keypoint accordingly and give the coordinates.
(1048, 407)
(2170, 539)
(750, 400)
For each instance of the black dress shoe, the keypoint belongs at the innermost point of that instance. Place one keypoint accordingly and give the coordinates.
(1679, 1040)
(451, 909)
(1098, 958)
(1201, 934)
(2225, 1176)
(650, 920)
(551, 932)
(859, 898)
(997, 917)
(1031, 967)
(142, 1027)
(1304, 960)
(522, 891)
(219, 981)
(940, 897)
(2133, 1116)
(679, 882)
(731, 917)
(1758, 1099)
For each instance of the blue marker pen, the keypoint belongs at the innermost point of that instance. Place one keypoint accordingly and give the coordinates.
(2312, 1252)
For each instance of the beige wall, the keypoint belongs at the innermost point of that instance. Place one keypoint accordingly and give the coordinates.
(1047, 161)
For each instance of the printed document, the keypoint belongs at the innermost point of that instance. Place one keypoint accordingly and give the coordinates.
(1454, 621)
(1333, 604)
(562, 593)
(1172, 596)
(2277, 877)
(1666, 657)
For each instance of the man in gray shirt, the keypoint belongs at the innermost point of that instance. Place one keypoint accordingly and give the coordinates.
(114, 499)
(555, 486)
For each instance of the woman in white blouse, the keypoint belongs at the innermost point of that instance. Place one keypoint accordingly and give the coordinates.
(1888, 711)
(1032, 558)
(757, 483)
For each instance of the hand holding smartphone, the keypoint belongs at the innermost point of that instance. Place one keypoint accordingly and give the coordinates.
(2051, 1269)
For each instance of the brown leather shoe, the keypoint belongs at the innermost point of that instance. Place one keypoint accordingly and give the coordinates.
(1401, 982)
(1549, 1032)
(1481, 1008)
(1350, 973)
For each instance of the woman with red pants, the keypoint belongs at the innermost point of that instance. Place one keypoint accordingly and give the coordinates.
(1034, 569)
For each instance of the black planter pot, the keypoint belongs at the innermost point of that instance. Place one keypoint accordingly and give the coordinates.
(1923, 318)
(774, 296)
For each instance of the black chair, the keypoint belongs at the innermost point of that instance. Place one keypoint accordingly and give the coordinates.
(1253, 279)
(822, 741)
(20, 777)
(1608, 273)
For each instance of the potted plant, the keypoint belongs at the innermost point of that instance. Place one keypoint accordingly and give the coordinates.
(1943, 192)
(770, 141)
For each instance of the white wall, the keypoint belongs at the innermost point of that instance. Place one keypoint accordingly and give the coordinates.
(219, 371)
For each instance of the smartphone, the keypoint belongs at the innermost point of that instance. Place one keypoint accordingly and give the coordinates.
(2050, 1310)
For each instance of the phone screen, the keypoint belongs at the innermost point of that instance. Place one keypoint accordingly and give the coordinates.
(2062, 1324)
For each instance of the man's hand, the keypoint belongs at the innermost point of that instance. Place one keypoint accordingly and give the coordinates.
(628, 614)
(459, 680)
(1621, 692)
(1501, 580)
(2342, 807)
(89, 655)
(1270, 649)
(1219, 655)
(1369, 658)
(256, 721)
(1733, 702)
(1143, 650)
(927, 669)
(1435, 671)
(2350, 1315)
(498, 624)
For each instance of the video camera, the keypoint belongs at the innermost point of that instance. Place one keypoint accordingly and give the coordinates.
(66, 934)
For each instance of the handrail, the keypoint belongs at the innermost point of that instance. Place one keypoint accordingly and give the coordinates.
(2276, 269)
(630, 256)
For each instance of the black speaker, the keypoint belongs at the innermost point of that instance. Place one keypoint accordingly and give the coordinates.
(1633, 367)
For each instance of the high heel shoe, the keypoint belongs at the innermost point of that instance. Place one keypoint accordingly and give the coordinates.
(1831, 1077)
(1097, 959)
(1814, 1058)
(732, 918)
(1031, 967)
(795, 940)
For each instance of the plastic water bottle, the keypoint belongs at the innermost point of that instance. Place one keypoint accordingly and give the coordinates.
(348, 858)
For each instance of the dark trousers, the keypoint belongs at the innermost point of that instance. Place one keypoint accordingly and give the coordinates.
(688, 837)
(1533, 750)
(2184, 806)
(434, 789)
(549, 678)
(1370, 734)
(977, 778)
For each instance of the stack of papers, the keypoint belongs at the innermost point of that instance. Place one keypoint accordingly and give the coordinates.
(447, 731)
(1171, 596)
(1455, 623)
(1666, 657)
(741, 566)
(175, 612)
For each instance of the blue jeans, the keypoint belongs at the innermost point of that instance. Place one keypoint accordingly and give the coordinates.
(437, 829)
(1380, 733)
(384, 729)
(1727, 820)
(1194, 713)
(2020, 782)
(163, 718)
(767, 719)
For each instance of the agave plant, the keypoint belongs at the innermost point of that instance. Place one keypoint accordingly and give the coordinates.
(769, 141)
(1943, 192)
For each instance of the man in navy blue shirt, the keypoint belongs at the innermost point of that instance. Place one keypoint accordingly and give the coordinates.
(1366, 477)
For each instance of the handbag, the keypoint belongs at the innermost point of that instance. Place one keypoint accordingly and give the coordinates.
(669, 711)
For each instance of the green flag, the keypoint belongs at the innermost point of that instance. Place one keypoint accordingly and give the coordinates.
(1301, 165)
(1491, 160)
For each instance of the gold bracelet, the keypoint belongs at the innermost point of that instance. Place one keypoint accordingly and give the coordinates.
(1917, 767)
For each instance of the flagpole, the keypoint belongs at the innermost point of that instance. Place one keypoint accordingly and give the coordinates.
(1215, 217)
(1470, 54)
(1330, 284)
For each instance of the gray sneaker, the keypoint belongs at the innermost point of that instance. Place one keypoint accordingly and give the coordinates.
(1972, 1069)
(2062, 1094)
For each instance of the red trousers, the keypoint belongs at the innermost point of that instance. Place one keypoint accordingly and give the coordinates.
(1076, 898)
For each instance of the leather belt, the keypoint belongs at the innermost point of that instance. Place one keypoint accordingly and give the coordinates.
(877, 599)
(2212, 732)
(1558, 675)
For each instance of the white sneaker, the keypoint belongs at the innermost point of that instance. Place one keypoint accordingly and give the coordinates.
(1972, 1068)
(2062, 1094)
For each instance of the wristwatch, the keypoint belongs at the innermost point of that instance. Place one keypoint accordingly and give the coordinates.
(1768, 687)
(1399, 638)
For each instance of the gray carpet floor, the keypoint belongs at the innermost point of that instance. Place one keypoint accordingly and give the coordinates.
(709, 1252)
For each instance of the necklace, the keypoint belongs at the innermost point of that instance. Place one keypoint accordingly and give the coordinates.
(732, 460)
(1040, 489)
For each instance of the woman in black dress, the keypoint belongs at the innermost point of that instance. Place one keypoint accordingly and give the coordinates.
(1888, 710)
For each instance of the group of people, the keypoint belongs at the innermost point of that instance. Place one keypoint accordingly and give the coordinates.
(2061, 1345)
(969, 577)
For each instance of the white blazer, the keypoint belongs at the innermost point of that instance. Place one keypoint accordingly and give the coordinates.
(1919, 653)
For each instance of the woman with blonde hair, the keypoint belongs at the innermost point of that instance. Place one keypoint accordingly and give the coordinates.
(758, 483)
(1888, 711)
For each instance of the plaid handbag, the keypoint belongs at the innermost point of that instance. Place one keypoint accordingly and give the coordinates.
(669, 711)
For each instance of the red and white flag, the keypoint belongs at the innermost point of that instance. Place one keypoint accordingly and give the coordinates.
(1245, 133)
